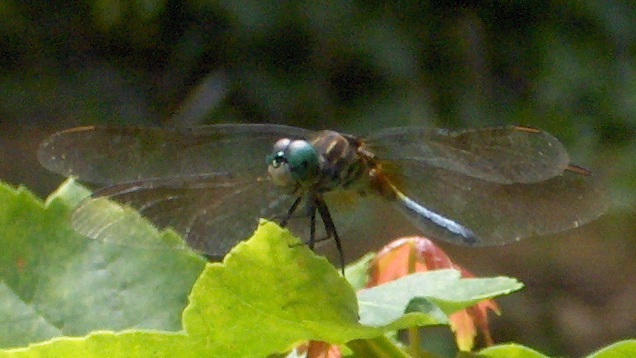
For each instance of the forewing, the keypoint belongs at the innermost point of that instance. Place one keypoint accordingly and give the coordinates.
(111, 155)
(212, 212)
(503, 154)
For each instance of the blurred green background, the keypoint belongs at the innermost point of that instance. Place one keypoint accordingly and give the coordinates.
(568, 68)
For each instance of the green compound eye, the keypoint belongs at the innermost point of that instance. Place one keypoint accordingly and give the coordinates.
(292, 162)
(302, 159)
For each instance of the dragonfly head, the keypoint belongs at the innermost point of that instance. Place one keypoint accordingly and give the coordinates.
(292, 162)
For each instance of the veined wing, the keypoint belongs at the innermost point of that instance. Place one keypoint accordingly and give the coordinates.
(502, 155)
(111, 155)
(211, 212)
(497, 213)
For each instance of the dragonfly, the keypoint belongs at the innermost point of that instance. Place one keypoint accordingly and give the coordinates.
(211, 184)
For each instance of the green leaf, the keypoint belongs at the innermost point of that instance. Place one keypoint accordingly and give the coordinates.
(69, 192)
(357, 273)
(623, 349)
(55, 282)
(269, 294)
(377, 347)
(445, 288)
(510, 351)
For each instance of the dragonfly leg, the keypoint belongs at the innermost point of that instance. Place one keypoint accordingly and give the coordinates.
(312, 218)
(330, 227)
(316, 203)
(290, 212)
(312, 226)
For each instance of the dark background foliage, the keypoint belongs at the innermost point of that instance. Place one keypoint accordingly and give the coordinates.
(569, 68)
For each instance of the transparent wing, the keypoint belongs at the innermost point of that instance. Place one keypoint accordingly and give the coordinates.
(499, 213)
(364, 224)
(503, 155)
(111, 155)
(211, 212)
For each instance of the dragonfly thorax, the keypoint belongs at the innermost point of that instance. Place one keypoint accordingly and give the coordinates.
(342, 160)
